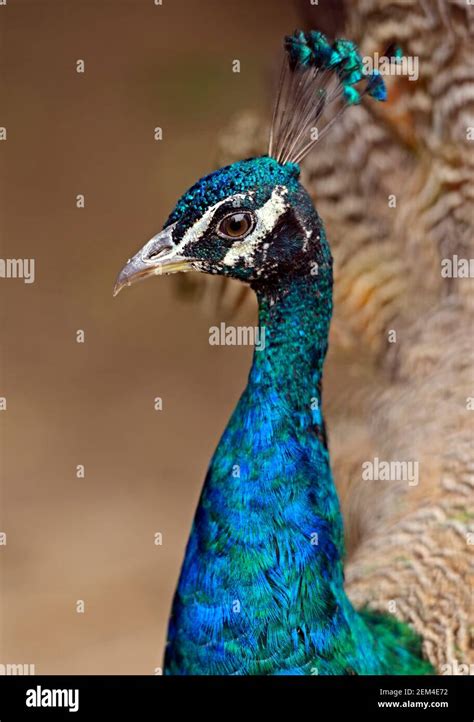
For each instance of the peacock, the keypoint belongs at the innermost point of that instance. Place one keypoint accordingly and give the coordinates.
(409, 549)
(261, 590)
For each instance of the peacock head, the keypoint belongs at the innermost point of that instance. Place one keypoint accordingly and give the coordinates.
(250, 221)
(253, 220)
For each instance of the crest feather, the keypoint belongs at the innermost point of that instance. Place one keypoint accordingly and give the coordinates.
(317, 83)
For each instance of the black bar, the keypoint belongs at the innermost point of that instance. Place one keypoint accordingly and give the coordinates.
(155, 698)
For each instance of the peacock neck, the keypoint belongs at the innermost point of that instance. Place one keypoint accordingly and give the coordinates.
(285, 390)
(263, 564)
(261, 589)
(294, 318)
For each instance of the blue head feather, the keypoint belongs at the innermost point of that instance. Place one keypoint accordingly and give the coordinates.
(253, 174)
(377, 88)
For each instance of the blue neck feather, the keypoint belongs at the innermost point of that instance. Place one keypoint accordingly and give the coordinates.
(261, 588)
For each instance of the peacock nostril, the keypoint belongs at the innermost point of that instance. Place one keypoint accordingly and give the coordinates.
(155, 253)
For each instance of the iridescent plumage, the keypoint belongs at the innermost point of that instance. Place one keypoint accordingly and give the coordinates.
(261, 590)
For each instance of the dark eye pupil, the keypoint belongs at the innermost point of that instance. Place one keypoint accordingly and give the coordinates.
(236, 224)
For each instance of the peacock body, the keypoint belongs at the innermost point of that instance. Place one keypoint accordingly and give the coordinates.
(261, 589)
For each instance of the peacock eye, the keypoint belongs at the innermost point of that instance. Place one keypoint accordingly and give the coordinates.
(236, 225)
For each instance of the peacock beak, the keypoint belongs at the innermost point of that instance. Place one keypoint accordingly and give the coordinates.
(158, 256)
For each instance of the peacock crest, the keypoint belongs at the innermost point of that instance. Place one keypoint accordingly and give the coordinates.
(319, 80)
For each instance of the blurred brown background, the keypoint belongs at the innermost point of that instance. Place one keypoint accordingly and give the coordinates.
(69, 403)
(92, 403)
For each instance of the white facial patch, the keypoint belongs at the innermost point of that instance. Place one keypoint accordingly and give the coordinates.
(199, 228)
(266, 219)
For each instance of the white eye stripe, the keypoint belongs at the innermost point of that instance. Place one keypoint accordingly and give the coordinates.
(266, 219)
(199, 228)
